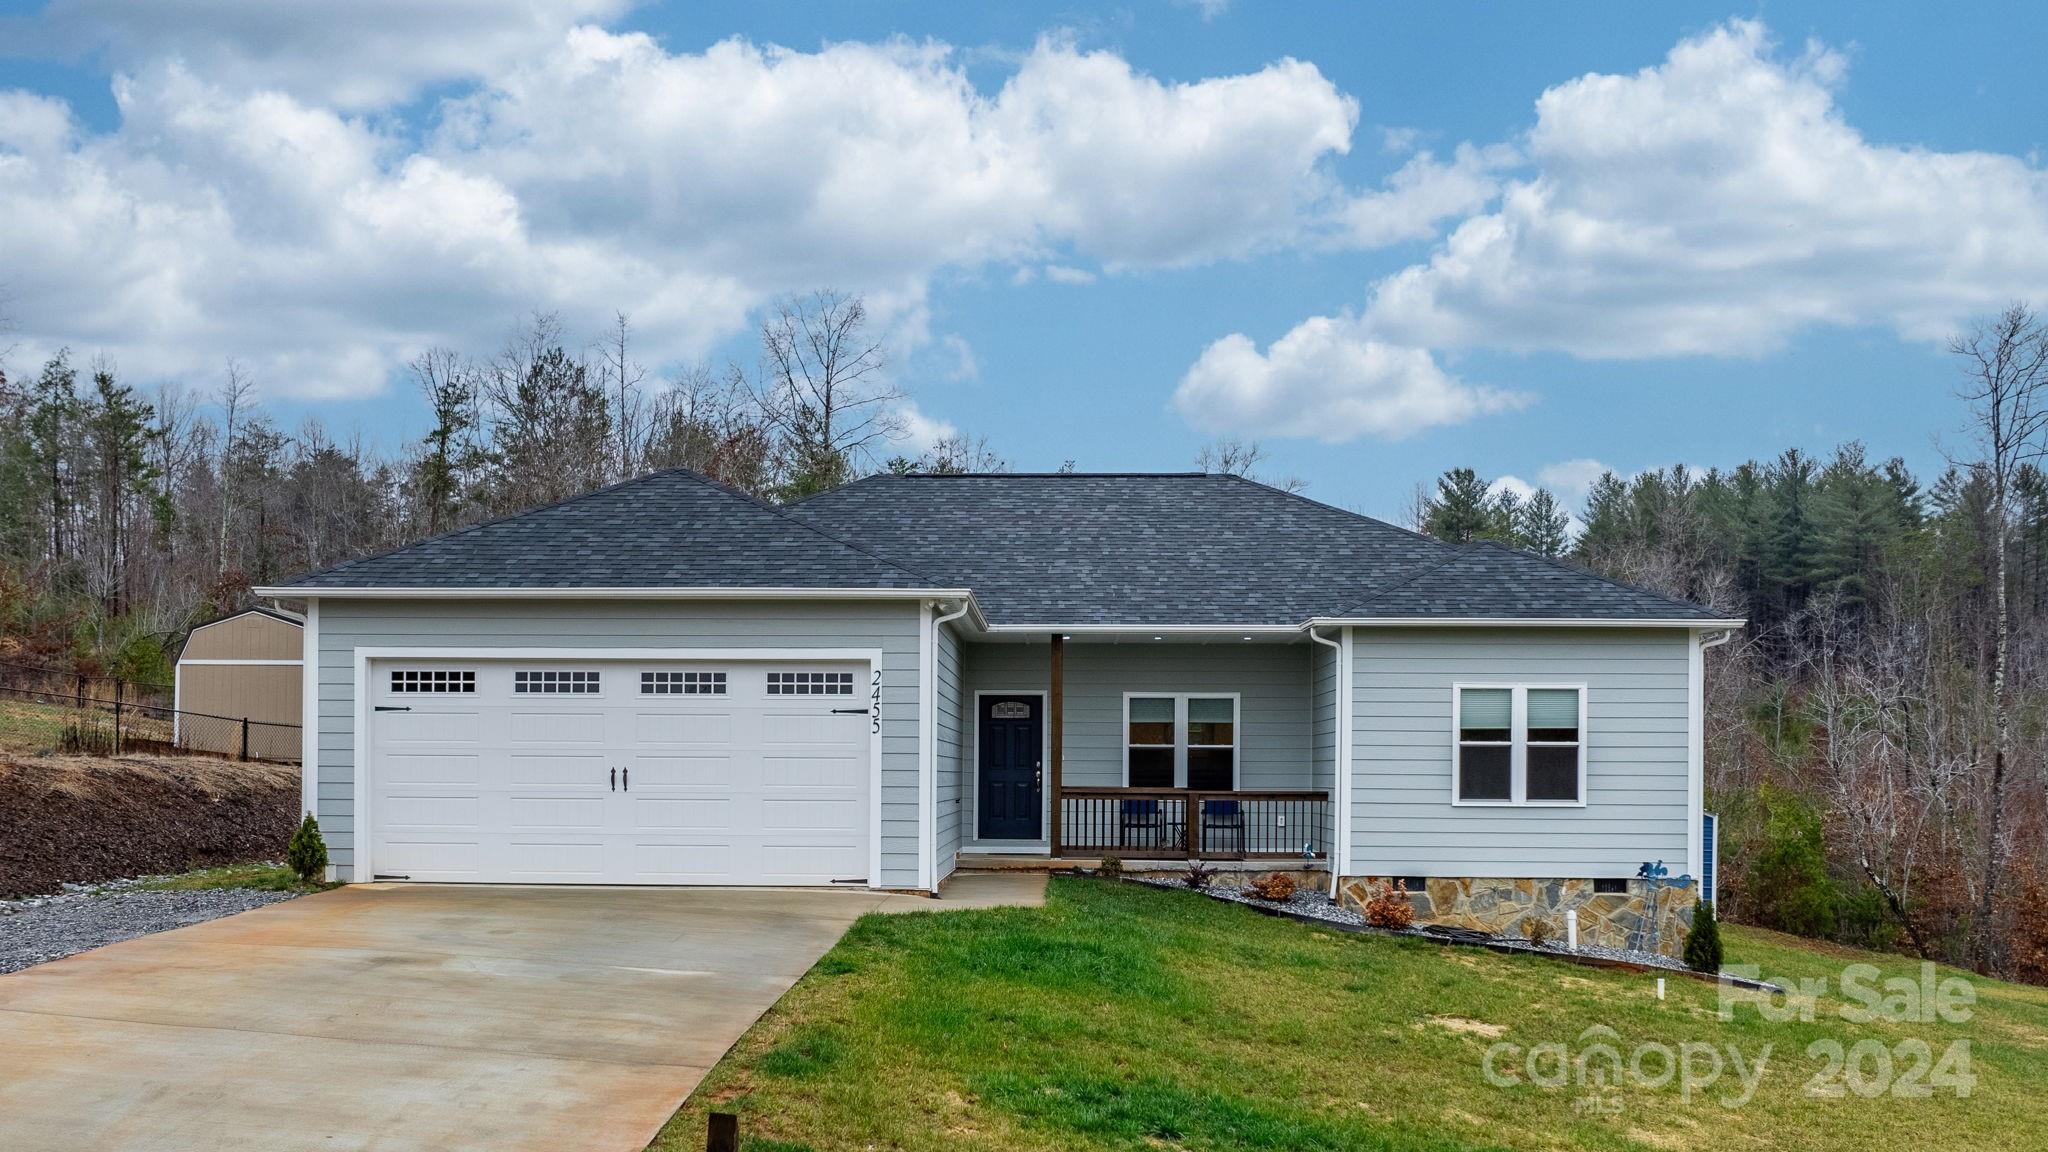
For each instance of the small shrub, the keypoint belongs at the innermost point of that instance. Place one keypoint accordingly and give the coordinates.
(1703, 943)
(1198, 876)
(1536, 931)
(307, 853)
(1274, 886)
(1111, 868)
(1389, 907)
(86, 737)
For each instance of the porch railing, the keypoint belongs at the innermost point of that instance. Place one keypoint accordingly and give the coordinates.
(1174, 822)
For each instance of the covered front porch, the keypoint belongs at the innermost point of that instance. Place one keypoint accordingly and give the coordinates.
(1146, 747)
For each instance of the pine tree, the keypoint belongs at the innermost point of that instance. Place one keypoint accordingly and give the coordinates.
(1461, 511)
(1543, 527)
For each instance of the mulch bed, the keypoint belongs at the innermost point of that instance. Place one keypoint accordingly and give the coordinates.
(79, 819)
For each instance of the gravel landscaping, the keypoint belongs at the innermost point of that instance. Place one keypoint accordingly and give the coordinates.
(81, 918)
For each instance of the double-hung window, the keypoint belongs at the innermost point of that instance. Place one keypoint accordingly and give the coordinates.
(1519, 744)
(1180, 740)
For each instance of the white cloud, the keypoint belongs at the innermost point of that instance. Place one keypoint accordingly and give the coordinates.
(1422, 194)
(358, 55)
(1718, 203)
(1327, 379)
(1715, 204)
(957, 361)
(920, 432)
(1210, 9)
(606, 173)
(1062, 274)
(1571, 480)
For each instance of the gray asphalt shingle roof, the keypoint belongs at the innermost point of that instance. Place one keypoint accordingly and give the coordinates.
(665, 529)
(1054, 549)
(1184, 548)
(1490, 581)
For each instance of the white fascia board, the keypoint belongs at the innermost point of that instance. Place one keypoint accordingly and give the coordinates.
(610, 593)
(1514, 622)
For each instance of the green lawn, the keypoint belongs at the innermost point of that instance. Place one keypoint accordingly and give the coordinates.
(1127, 1017)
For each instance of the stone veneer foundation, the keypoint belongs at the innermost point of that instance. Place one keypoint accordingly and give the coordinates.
(1505, 906)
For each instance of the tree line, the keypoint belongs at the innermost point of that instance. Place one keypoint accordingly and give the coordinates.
(1875, 734)
(125, 517)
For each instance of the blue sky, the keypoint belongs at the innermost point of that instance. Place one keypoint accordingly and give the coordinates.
(1676, 233)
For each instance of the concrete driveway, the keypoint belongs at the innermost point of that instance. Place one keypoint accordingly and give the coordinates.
(396, 1017)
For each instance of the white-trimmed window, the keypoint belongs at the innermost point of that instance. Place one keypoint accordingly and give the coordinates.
(682, 683)
(554, 682)
(1519, 744)
(433, 680)
(1181, 740)
(810, 683)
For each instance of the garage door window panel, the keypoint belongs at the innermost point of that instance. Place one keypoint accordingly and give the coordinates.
(555, 682)
(433, 680)
(682, 683)
(810, 683)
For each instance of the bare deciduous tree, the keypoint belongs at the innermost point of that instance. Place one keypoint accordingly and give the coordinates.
(1233, 457)
(235, 396)
(823, 388)
(624, 378)
(2005, 368)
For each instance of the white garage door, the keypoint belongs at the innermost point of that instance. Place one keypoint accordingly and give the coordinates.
(619, 773)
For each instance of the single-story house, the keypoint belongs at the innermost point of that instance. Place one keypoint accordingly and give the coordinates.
(237, 686)
(670, 682)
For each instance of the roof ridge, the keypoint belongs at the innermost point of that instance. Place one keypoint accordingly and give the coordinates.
(1565, 566)
(1373, 520)
(803, 523)
(482, 524)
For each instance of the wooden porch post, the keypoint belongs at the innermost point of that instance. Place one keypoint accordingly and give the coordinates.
(1056, 724)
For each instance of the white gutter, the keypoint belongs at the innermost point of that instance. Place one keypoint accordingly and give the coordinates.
(314, 594)
(928, 735)
(1512, 622)
(1717, 641)
(1340, 831)
(1153, 629)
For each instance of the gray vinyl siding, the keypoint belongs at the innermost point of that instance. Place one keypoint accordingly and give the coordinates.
(1323, 732)
(1403, 821)
(949, 723)
(1273, 708)
(889, 626)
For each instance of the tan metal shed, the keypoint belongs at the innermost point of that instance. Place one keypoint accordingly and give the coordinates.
(242, 667)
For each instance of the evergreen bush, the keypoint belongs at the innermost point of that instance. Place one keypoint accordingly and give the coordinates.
(1703, 944)
(307, 853)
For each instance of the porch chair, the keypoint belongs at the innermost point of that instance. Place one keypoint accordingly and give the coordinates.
(1146, 815)
(1226, 816)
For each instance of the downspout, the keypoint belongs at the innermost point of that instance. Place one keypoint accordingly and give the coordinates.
(928, 786)
(1726, 635)
(1337, 781)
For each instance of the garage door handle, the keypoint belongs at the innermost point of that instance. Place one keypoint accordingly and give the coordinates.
(392, 708)
(625, 779)
(849, 711)
(615, 779)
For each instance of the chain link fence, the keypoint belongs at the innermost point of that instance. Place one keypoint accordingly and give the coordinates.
(98, 715)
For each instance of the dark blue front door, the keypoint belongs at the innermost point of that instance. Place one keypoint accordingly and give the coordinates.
(1011, 768)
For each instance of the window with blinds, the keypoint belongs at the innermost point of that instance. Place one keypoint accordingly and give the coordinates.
(1520, 744)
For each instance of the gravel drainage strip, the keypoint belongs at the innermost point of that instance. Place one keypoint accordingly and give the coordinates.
(44, 928)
